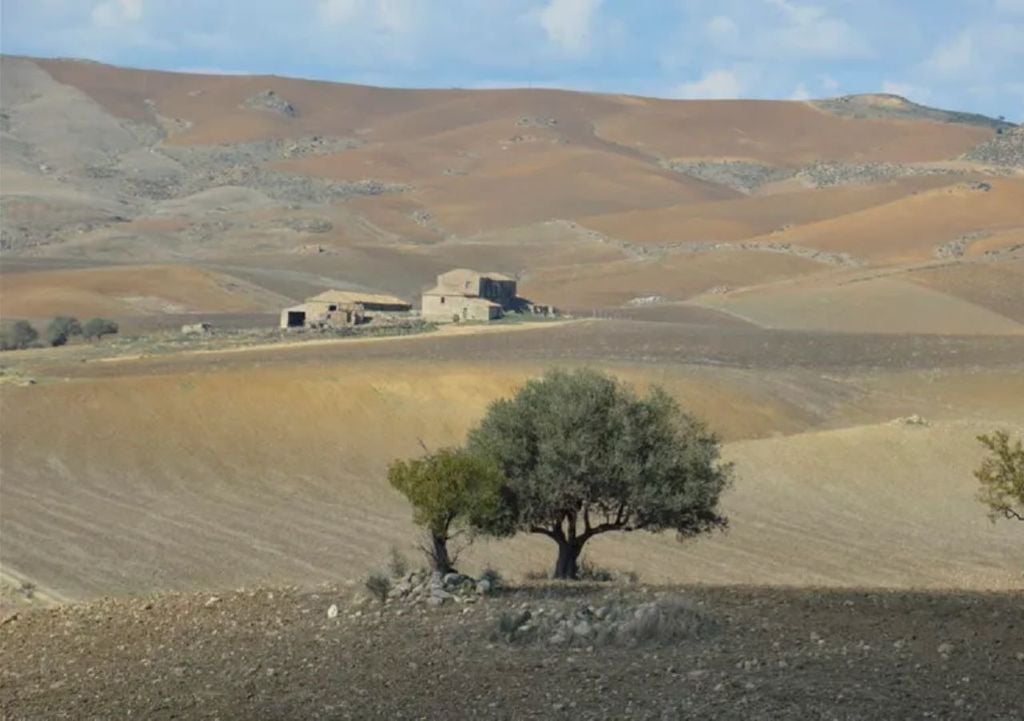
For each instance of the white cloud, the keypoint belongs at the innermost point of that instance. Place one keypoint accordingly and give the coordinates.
(1010, 7)
(721, 30)
(569, 24)
(116, 13)
(715, 85)
(340, 11)
(828, 83)
(800, 92)
(953, 58)
(906, 90)
(810, 32)
(389, 16)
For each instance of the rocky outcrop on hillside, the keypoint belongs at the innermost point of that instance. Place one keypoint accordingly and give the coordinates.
(743, 176)
(885, 105)
(270, 100)
(1005, 149)
(827, 174)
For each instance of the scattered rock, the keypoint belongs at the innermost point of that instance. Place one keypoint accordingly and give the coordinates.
(912, 420)
(739, 175)
(332, 611)
(196, 329)
(270, 100)
(211, 602)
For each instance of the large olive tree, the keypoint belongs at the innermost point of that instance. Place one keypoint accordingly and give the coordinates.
(583, 454)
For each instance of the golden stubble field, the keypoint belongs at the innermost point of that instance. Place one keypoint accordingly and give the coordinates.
(266, 467)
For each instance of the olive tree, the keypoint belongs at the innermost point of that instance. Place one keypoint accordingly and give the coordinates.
(453, 493)
(1001, 475)
(99, 327)
(17, 335)
(61, 329)
(583, 455)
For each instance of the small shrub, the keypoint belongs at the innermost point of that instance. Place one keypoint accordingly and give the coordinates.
(17, 335)
(27, 589)
(665, 622)
(397, 564)
(589, 572)
(379, 586)
(514, 627)
(493, 577)
(96, 328)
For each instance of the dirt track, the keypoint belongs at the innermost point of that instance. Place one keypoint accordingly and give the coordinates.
(615, 341)
(275, 655)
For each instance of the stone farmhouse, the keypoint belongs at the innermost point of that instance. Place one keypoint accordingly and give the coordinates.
(336, 308)
(469, 295)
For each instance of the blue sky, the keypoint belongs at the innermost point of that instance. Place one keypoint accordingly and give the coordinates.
(961, 54)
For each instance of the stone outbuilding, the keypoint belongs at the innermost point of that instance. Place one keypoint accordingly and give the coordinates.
(334, 308)
(464, 294)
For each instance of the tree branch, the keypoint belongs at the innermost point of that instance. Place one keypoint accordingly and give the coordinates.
(600, 528)
(543, 531)
(1010, 513)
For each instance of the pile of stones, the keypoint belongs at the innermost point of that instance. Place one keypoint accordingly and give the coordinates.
(616, 622)
(434, 589)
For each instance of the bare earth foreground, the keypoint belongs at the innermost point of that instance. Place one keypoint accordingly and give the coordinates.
(768, 654)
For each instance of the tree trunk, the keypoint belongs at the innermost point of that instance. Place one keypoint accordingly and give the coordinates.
(439, 558)
(567, 566)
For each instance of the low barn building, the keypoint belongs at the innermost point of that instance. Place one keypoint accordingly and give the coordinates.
(334, 308)
(463, 294)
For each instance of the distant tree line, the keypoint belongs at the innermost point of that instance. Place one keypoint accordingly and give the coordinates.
(20, 334)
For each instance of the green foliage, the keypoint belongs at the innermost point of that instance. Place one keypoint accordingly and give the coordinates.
(583, 454)
(96, 328)
(379, 585)
(452, 492)
(449, 486)
(61, 329)
(17, 335)
(1001, 475)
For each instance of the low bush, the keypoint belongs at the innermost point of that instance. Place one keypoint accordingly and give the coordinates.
(398, 566)
(665, 621)
(493, 577)
(379, 586)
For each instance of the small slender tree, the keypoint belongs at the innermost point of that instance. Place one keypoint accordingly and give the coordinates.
(584, 455)
(1001, 475)
(453, 493)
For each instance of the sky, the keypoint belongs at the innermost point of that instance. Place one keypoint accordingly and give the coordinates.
(958, 54)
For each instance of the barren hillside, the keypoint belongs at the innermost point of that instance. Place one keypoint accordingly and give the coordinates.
(295, 185)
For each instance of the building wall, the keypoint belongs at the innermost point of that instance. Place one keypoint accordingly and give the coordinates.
(448, 308)
(502, 292)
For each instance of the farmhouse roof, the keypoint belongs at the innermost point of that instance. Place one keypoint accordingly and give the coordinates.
(351, 296)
